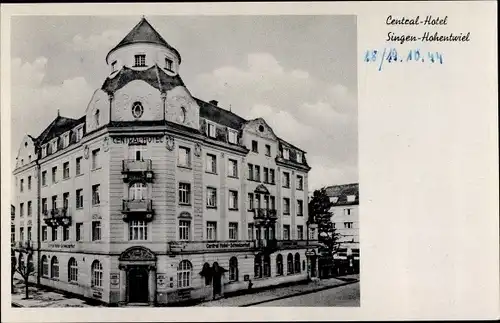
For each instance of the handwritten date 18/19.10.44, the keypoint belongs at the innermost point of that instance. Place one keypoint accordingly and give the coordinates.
(391, 55)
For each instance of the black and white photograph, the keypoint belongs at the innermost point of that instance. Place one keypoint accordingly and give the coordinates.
(184, 161)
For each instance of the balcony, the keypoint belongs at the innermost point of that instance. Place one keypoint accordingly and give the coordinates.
(23, 246)
(264, 215)
(137, 170)
(57, 217)
(137, 210)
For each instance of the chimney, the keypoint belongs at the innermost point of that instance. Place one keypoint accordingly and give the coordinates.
(214, 102)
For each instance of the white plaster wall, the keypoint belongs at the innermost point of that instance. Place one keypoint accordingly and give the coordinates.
(99, 101)
(134, 91)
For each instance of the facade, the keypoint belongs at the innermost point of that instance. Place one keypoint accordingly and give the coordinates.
(155, 196)
(345, 218)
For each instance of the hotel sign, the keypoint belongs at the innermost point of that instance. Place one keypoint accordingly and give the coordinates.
(139, 140)
(115, 279)
(210, 246)
(61, 245)
(228, 245)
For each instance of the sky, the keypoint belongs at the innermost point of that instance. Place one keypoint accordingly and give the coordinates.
(299, 73)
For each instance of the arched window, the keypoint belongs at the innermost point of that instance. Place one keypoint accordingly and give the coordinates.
(184, 274)
(96, 117)
(267, 266)
(289, 263)
(137, 191)
(72, 270)
(297, 263)
(54, 267)
(279, 265)
(96, 274)
(45, 266)
(233, 269)
(258, 266)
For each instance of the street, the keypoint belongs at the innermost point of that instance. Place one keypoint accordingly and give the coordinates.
(347, 295)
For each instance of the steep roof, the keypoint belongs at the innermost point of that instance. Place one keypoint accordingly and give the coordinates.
(57, 127)
(342, 191)
(219, 115)
(143, 32)
(154, 76)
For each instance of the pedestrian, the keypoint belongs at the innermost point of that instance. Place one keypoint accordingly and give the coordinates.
(250, 284)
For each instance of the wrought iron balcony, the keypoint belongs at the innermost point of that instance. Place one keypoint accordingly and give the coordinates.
(265, 214)
(137, 209)
(57, 217)
(137, 169)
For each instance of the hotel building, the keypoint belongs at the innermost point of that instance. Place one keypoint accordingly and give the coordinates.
(345, 219)
(154, 196)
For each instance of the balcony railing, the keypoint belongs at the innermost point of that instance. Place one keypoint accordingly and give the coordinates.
(137, 209)
(57, 217)
(264, 214)
(137, 169)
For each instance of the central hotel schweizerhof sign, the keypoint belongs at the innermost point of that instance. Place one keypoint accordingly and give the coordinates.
(159, 139)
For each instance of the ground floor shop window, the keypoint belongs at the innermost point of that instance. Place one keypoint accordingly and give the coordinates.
(54, 267)
(233, 269)
(267, 266)
(45, 266)
(184, 274)
(297, 263)
(96, 274)
(279, 265)
(258, 267)
(72, 270)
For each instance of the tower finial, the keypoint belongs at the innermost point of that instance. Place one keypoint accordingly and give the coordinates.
(58, 113)
(230, 108)
(143, 17)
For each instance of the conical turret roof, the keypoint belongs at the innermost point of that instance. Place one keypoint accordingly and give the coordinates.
(143, 32)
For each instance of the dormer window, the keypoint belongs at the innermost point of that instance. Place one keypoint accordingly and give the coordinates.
(96, 117)
(232, 136)
(286, 153)
(334, 199)
(79, 134)
(44, 151)
(113, 67)
(351, 198)
(54, 146)
(211, 130)
(169, 64)
(299, 157)
(65, 140)
(140, 60)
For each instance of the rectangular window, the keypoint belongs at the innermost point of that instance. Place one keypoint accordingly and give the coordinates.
(79, 231)
(29, 182)
(347, 225)
(65, 233)
(185, 193)
(140, 60)
(44, 233)
(250, 231)
(95, 195)
(21, 210)
(21, 185)
(250, 201)
(21, 234)
(96, 230)
(79, 198)
(54, 202)
(300, 207)
(347, 211)
(255, 146)
(286, 153)
(211, 197)
(44, 205)
(271, 176)
(300, 232)
(286, 180)
(300, 182)
(211, 130)
(138, 230)
(96, 163)
(12, 233)
(299, 157)
(232, 137)
(78, 165)
(266, 175)
(66, 200)
(54, 233)
(233, 231)
(257, 201)
(286, 232)
(233, 168)
(66, 170)
(54, 146)
(44, 178)
(211, 230)
(266, 201)
(29, 233)
(168, 64)
(268, 150)
(273, 203)
(30, 210)
(256, 173)
(286, 206)
(233, 200)
(211, 166)
(184, 157)
(250, 172)
(184, 230)
(54, 174)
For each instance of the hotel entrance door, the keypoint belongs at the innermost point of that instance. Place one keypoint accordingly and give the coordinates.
(138, 291)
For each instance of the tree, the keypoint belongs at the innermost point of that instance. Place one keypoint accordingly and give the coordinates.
(13, 264)
(319, 213)
(26, 270)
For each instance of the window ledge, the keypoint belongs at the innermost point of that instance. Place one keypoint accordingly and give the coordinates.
(185, 167)
(211, 173)
(230, 209)
(212, 207)
(97, 168)
(230, 176)
(78, 175)
(185, 204)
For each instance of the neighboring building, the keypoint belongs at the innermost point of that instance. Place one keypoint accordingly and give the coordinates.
(345, 218)
(155, 196)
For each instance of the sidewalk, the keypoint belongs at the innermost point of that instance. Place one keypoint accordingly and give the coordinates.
(43, 298)
(281, 292)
